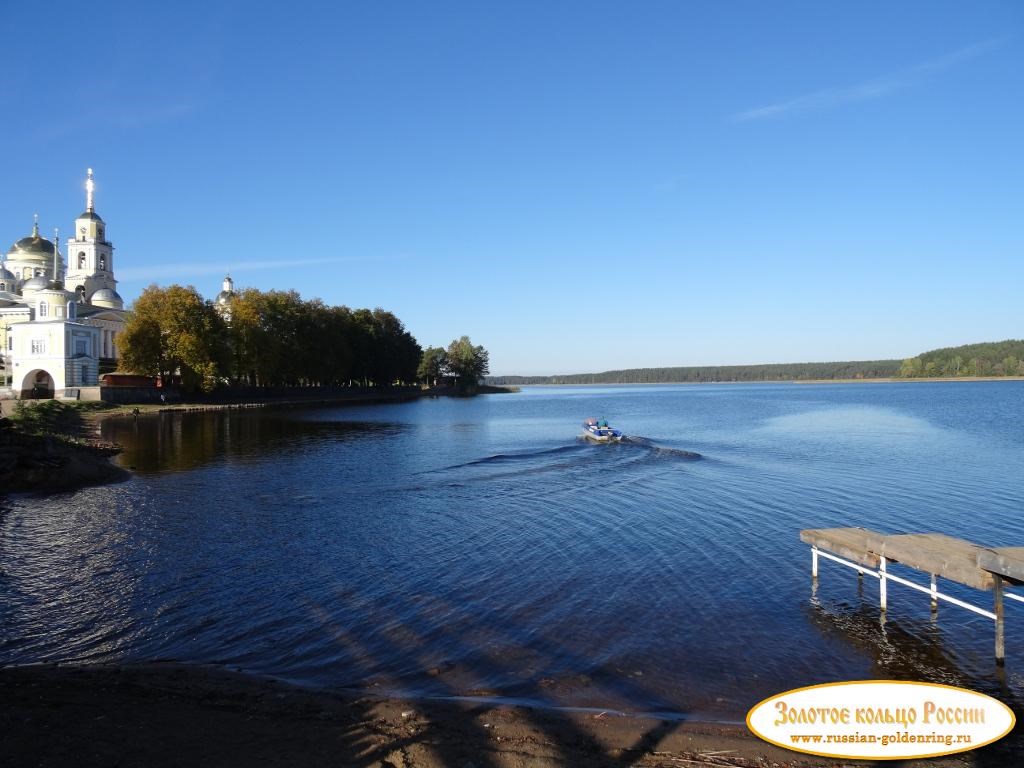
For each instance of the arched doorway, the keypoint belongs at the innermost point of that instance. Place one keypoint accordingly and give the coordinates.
(37, 385)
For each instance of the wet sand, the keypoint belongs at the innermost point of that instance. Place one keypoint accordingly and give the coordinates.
(174, 715)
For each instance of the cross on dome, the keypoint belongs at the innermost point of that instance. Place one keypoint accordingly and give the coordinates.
(89, 187)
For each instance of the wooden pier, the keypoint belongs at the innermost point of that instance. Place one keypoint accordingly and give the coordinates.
(940, 556)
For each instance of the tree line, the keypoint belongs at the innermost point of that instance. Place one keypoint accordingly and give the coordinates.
(263, 339)
(996, 358)
(872, 369)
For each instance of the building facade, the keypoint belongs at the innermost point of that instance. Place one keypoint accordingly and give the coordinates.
(59, 319)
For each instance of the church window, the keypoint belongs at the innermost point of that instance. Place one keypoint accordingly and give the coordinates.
(58, 310)
(103, 262)
(44, 309)
(80, 347)
(71, 310)
(3, 286)
(81, 259)
(85, 373)
(38, 346)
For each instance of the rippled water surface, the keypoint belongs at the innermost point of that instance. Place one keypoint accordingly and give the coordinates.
(453, 547)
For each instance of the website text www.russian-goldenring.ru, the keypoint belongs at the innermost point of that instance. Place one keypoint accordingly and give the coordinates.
(904, 737)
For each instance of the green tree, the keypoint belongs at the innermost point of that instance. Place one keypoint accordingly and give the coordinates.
(911, 367)
(1011, 365)
(270, 344)
(467, 363)
(432, 365)
(173, 331)
(335, 357)
(362, 340)
(246, 336)
(282, 316)
(396, 354)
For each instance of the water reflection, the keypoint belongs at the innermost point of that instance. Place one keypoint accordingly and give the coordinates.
(173, 441)
(901, 649)
(921, 650)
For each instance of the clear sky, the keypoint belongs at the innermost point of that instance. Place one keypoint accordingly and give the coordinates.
(578, 186)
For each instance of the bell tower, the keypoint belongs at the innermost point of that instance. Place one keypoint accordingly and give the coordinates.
(90, 255)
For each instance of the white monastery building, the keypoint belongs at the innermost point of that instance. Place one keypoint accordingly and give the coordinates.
(59, 320)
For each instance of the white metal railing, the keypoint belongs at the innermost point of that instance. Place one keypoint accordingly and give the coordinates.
(884, 576)
(940, 596)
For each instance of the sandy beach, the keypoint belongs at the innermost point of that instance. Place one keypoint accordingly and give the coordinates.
(169, 714)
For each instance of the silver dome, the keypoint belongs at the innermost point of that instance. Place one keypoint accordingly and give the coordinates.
(107, 297)
(37, 283)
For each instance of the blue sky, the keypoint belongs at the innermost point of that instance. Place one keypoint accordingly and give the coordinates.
(578, 186)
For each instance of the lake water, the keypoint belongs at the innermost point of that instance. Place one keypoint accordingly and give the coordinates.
(451, 547)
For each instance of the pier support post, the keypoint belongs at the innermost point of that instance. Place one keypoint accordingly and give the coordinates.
(997, 592)
(814, 563)
(881, 583)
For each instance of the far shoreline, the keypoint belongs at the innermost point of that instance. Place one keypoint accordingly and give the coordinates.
(890, 380)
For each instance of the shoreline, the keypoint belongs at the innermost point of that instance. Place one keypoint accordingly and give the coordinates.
(169, 714)
(70, 458)
(120, 410)
(888, 380)
(48, 464)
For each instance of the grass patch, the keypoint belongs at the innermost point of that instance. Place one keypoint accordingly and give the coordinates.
(53, 417)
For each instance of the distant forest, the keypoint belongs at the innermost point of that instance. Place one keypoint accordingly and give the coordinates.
(994, 358)
(873, 369)
(997, 358)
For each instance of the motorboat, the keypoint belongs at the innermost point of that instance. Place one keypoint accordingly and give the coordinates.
(598, 431)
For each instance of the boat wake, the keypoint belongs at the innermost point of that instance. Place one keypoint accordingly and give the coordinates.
(660, 450)
(509, 458)
(577, 459)
(582, 448)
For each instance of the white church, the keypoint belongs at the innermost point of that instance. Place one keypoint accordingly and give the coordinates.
(59, 319)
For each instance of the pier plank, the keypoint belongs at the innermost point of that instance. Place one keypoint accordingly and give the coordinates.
(1008, 562)
(945, 556)
(857, 544)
